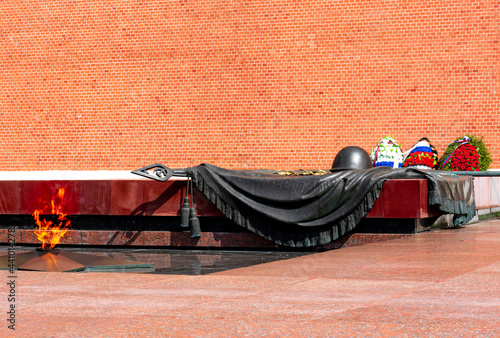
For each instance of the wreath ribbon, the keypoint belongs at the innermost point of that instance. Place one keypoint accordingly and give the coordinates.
(376, 155)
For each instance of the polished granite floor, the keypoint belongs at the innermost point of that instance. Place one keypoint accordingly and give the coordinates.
(178, 262)
(443, 283)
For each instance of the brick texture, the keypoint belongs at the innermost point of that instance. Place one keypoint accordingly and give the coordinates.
(241, 84)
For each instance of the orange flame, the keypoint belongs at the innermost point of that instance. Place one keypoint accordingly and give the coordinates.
(48, 232)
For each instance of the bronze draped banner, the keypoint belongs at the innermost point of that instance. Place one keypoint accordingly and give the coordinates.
(304, 211)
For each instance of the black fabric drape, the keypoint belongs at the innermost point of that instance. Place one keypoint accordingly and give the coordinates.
(304, 211)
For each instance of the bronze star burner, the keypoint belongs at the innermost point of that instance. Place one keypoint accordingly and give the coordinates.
(67, 261)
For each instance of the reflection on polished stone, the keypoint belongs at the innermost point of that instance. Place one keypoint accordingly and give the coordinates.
(181, 262)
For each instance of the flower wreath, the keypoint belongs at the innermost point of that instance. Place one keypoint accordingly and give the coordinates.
(422, 155)
(468, 153)
(387, 153)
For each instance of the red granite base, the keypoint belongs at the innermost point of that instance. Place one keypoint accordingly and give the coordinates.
(399, 199)
(184, 239)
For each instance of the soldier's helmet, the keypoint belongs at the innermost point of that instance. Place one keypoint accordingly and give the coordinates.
(352, 157)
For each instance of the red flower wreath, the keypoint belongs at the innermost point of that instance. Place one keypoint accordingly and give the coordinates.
(465, 158)
(419, 158)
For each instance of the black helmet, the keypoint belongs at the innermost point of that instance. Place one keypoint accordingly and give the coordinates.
(352, 157)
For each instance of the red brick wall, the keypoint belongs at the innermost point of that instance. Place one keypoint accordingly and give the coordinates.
(241, 84)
